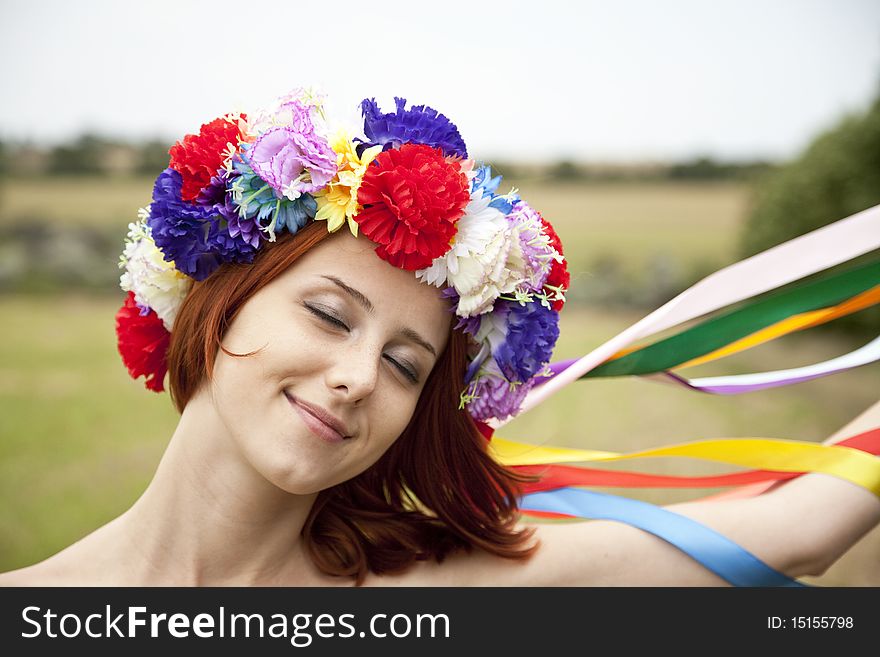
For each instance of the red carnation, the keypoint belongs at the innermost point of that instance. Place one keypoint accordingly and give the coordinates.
(558, 275)
(198, 157)
(143, 343)
(412, 198)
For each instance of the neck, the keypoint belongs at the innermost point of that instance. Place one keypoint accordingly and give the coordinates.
(209, 518)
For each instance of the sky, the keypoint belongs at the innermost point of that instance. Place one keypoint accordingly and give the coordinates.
(592, 81)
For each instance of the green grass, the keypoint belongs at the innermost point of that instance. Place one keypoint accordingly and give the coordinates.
(74, 201)
(79, 438)
(687, 221)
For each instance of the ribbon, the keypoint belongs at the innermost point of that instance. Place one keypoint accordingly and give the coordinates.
(741, 383)
(560, 476)
(719, 332)
(756, 322)
(707, 547)
(798, 322)
(794, 323)
(846, 463)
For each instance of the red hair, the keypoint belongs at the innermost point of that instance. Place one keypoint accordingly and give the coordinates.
(435, 490)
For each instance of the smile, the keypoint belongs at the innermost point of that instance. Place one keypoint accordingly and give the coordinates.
(316, 425)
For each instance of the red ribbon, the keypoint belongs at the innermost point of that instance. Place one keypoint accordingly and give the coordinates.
(559, 476)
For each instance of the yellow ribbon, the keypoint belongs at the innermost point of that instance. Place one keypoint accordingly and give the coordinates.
(846, 463)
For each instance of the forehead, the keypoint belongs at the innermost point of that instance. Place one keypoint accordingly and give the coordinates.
(394, 293)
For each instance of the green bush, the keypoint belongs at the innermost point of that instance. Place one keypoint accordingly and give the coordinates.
(836, 176)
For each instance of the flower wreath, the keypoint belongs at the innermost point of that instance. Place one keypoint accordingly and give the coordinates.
(408, 186)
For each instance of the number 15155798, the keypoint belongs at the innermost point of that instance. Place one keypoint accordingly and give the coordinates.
(810, 622)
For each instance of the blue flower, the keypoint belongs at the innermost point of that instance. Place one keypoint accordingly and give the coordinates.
(214, 192)
(294, 215)
(230, 238)
(180, 229)
(418, 125)
(532, 331)
(488, 185)
(259, 203)
(244, 230)
(196, 236)
(228, 247)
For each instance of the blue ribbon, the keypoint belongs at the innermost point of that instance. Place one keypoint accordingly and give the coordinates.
(707, 547)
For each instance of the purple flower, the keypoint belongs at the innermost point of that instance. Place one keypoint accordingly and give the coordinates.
(214, 191)
(246, 227)
(293, 159)
(539, 253)
(516, 342)
(532, 331)
(229, 247)
(495, 398)
(196, 237)
(180, 229)
(244, 230)
(418, 125)
(469, 325)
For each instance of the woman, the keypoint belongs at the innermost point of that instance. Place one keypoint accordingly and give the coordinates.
(324, 438)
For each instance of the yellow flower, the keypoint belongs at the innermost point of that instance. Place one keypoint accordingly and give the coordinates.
(338, 201)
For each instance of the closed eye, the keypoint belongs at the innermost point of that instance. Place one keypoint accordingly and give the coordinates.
(406, 371)
(330, 319)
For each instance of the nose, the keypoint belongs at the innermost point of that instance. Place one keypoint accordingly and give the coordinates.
(354, 371)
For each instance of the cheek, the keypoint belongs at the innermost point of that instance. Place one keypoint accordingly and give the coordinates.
(268, 350)
(234, 394)
(246, 387)
(392, 418)
(240, 373)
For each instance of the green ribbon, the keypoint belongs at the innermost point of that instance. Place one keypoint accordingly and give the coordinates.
(717, 332)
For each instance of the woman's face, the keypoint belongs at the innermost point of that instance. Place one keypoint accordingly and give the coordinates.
(342, 334)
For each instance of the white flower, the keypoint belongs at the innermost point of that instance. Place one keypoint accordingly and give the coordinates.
(154, 282)
(293, 189)
(484, 261)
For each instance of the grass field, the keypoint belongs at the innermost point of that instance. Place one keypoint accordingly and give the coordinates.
(79, 440)
(74, 201)
(690, 223)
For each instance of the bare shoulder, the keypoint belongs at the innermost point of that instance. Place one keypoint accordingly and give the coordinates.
(588, 553)
(20, 577)
(80, 564)
(45, 573)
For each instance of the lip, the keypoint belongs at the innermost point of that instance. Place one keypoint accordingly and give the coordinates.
(319, 420)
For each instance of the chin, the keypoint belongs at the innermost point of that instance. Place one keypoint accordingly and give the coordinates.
(300, 476)
(297, 479)
(300, 487)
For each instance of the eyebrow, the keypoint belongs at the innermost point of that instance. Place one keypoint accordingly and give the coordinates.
(367, 305)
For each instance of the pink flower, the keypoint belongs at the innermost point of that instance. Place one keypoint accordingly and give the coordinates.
(293, 158)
